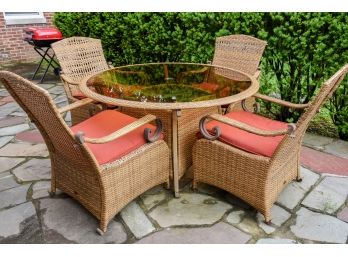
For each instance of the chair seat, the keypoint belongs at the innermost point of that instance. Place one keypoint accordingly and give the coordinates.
(79, 95)
(105, 123)
(246, 141)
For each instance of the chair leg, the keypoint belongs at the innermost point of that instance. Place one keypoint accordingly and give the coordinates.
(268, 217)
(52, 193)
(102, 228)
(194, 184)
(167, 184)
(298, 177)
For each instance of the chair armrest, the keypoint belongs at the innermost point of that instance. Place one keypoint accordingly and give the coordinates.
(75, 105)
(67, 80)
(281, 102)
(217, 131)
(125, 130)
(257, 73)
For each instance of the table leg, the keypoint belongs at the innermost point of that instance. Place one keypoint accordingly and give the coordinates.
(175, 160)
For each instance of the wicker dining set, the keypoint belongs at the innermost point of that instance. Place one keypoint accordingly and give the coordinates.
(138, 126)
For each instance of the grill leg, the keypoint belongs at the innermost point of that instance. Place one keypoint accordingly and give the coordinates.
(48, 66)
(43, 58)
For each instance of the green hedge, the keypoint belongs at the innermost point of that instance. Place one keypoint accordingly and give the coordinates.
(303, 48)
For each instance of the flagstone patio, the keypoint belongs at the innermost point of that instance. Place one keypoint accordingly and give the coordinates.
(313, 211)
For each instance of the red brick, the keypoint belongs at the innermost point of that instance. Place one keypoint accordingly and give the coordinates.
(323, 162)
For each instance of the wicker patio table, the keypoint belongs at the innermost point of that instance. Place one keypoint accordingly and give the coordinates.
(178, 93)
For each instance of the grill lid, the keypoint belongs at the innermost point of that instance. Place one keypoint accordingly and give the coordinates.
(42, 34)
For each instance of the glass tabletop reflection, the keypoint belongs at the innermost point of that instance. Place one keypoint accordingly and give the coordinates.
(169, 82)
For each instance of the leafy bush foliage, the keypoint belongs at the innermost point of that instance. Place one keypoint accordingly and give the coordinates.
(303, 49)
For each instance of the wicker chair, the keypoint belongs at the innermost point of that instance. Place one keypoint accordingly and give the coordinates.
(79, 57)
(109, 167)
(255, 157)
(239, 52)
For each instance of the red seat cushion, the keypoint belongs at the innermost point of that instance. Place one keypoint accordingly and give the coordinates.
(105, 123)
(246, 141)
(79, 95)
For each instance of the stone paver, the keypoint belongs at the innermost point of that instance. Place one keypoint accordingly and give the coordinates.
(31, 136)
(319, 227)
(35, 169)
(250, 226)
(329, 195)
(220, 233)
(24, 149)
(291, 196)
(4, 93)
(41, 189)
(9, 163)
(19, 114)
(13, 196)
(5, 140)
(275, 241)
(136, 220)
(150, 201)
(279, 216)
(235, 217)
(323, 162)
(316, 141)
(189, 209)
(67, 219)
(9, 131)
(11, 219)
(11, 121)
(60, 99)
(6, 109)
(343, 214)
(338, 148)
(57, 90)
(7, 182)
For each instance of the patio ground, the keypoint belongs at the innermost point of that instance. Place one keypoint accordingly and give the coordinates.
(313, 211)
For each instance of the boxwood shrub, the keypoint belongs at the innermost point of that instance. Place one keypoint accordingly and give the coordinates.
(303, 49)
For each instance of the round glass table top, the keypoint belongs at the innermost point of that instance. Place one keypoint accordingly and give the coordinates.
(169, 85)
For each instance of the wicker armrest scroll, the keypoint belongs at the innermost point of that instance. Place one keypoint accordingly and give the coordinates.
(217, 131)
(75, 105)
(125, 130)
(281, 102)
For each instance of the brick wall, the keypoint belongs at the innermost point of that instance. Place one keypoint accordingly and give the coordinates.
(12, 46)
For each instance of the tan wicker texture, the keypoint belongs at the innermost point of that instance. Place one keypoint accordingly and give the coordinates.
(187, 128)
(256, 179)
(180, 132)
(239, 52)
(103, 189)
(79, 57)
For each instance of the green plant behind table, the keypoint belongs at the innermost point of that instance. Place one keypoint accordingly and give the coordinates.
(303, 48)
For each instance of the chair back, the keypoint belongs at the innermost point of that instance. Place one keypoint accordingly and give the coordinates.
(79, 57)
(239, 52)
(41, 109)
(325, 93)
(290, 145)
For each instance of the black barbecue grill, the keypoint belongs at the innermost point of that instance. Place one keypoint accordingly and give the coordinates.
(41, 39)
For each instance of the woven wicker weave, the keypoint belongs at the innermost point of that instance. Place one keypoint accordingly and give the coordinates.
(239, 52)
(256, 179)
(187, 130)
(103, 189)
(79, 57)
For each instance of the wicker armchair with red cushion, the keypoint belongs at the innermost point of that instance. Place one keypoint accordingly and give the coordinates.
(254, 157)
(103, 162)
